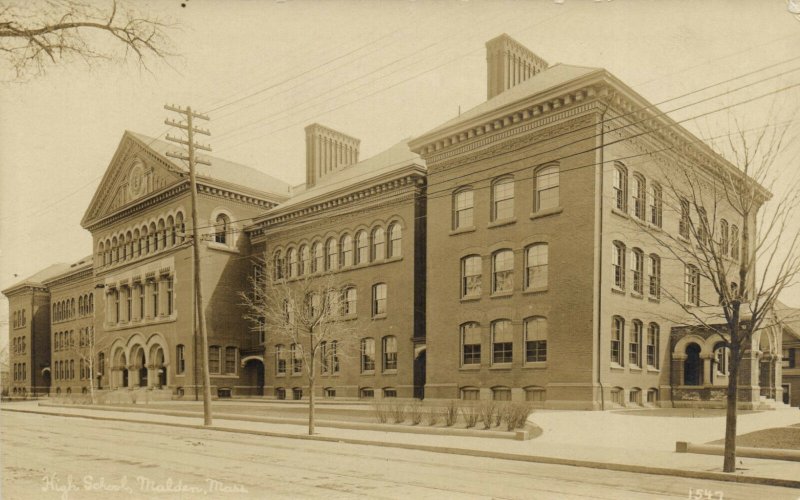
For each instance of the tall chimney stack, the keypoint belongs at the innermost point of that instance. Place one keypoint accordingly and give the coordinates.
(327, 151)
(509, 63)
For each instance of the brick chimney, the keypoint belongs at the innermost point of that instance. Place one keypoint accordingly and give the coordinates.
(327, 151)
(509, 63)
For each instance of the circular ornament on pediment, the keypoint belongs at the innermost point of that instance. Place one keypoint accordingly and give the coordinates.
(136, 180)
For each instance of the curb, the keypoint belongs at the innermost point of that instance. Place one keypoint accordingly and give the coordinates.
(741, 451)
(640, 469)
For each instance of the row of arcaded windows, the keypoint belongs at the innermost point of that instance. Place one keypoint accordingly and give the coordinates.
(63, 340)
(141, 300)
(20, 372)
(644, 272)
(535, 394)
(545, 197)
(535, 272)
(642, 347)
(142, 241)
(19, 318)
(343, 252)
(18, 345)
(501, 342)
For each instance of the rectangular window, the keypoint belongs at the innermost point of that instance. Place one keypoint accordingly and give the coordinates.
(502, 342)
(652, 345)
(170, 302)
(463, 209)
(379, 299)
(535, 340)
(140, 289)
(350, 301)
(503, 271)
(230, 360)
(536, 260)
(637, 270)
(692, 285)
(128, 304)
(324, 358)
(334, 356)
(180, 354)
(656, 205)
(655, 277)
(470, 344)
(213, 359)
(367, 355)
(618, 264)
(280, 360)
(297, 359)
(684, 223)
(154, 285)
(390, 353)
(617, 337)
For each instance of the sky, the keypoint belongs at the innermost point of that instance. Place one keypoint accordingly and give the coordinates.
(381, 71)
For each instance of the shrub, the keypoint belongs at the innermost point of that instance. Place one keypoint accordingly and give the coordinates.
(432, 416)
(381, 412)
(415, 412)
(471, 414)
(451, 412)
(398, 411)
(499, 413)
(516, 415)
(487, 411)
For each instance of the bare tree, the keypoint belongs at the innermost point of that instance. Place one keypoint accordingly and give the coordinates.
(41, 32)
(741, 239)
(87, 350)
(308, 314)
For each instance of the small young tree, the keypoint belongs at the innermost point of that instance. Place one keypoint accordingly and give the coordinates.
(304, 312)
(735, 235)
(38, 32)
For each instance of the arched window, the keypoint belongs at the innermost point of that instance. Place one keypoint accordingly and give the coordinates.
(547, 191)
(655, 276)
(305, 261)
(618, 264)
(503, 199)
(395, 240)
(154, 236)
(180, 359)
(536, 266)
(346, 251)
(635, 344)
(656, 203)
(389, 347)
(91, 303)
(330, 254)
(101, 365)
(334, 355)
(692, 285)
(318, 258)
(362, 247)
(471, 269)
(101, 254)
(501, 393)
(367, 355)
(637, 270)
(181, 227)
(123, 247)
(463, 209)
(291, 259)
(277, 265)
(502, 341)
(639, 197)
(378, 244)
(222, 228)
(114, 250)
(470, 344)
(617, 339)
(349, 301)
(734, 242)
(162, 233)
(620, 187)
(535, 339)
(723, 237)
(685, 222)
(325, 365)
(503, 271)
(173, 237)
(721, 358)
(653, 332)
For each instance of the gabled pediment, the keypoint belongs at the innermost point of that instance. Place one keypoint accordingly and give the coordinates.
(135, 172)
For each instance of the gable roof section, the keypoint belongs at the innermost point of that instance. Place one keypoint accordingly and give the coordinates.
(37, 279)
(552, 77)
(789, 317)
(222, 173)
(384, 164)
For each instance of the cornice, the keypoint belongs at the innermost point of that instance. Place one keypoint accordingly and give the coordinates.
(267, 222)
(72, 276)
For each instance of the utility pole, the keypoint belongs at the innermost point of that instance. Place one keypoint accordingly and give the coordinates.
(198, 290)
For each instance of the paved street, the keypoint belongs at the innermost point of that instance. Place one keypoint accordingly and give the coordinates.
(58, 457)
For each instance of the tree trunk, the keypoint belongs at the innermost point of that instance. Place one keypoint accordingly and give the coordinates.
(732, 397)
(311, 407)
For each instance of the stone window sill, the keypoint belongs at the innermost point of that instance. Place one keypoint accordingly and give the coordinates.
(462, 230)
(618, 291)
(546, 212)
(471, 298)
(536, 364)
(540, 289)
(470, 368)
(222, 247)
(654, 300)
(620, 213)
(497, 295)
(500, 366)
(500, 223)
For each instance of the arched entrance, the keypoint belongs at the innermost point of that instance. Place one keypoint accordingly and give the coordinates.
(121, 366)
(158, 366)
(253, 375)
(693, 366)
(140, 364)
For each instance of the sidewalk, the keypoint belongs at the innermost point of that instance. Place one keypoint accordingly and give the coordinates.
(608, 440)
